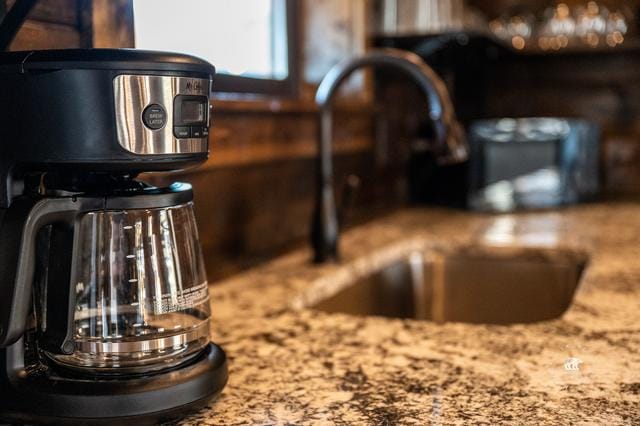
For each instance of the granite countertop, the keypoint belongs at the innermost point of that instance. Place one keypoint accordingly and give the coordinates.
(291, 365)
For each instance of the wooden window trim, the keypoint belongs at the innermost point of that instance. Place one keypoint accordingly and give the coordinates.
(113, 26)
(288, 87)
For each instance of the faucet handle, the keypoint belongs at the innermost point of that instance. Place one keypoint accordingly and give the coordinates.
(347, 199)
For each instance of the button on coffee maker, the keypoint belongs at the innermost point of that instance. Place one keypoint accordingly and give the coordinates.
(104, 303)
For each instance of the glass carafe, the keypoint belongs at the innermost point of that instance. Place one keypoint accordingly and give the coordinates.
(141, 297)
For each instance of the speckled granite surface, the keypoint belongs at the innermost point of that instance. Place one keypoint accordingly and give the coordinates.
(293, 365)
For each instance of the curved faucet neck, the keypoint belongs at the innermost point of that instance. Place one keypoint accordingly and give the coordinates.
(449, 143)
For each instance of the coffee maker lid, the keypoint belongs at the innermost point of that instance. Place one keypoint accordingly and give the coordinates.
(102, 59)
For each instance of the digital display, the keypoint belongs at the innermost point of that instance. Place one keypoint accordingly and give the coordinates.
(193, 112)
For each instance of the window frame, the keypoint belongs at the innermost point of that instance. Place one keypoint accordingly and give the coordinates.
(287, 87)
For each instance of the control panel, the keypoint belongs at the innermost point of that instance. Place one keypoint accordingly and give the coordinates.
(162, 114)
(190, 116)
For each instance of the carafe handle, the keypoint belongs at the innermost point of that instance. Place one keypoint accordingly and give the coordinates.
(18, 229)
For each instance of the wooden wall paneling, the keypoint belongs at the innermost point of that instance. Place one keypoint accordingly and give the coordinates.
(43, 35)
(240, 138)
(334, 30)
(621, 156)
(85, 23)
(113, 23)
(63, 12)
(600, 87)
(51, 24)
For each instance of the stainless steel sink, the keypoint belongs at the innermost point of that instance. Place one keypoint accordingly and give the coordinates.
(472, 285)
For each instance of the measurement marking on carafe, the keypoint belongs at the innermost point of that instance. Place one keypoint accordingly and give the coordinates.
(181, 300)
(131, 256)
(133, 280)
(127, 227)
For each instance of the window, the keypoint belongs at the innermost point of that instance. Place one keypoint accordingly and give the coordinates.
(251, 42)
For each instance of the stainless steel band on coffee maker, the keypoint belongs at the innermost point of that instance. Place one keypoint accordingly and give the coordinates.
(174, 111)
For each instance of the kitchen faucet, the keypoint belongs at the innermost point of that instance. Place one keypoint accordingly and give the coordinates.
(449, 144)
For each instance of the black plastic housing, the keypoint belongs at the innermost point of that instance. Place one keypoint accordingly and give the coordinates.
(57, 111)
(48, 396)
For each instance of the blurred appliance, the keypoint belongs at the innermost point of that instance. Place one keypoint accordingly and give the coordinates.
(104, 305)
(530, 163)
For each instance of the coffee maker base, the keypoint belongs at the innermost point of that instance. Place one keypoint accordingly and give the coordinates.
(53, 399)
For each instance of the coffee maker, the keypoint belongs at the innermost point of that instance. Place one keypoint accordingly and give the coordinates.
(104, 304)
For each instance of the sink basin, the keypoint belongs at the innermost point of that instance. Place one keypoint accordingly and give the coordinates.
(491, 286)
